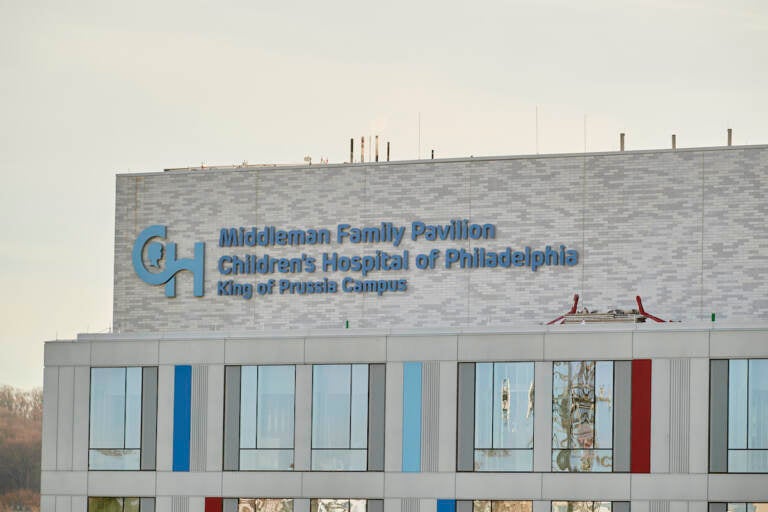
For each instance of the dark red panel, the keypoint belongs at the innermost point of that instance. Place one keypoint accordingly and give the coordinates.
(214, 504)
(641, 416)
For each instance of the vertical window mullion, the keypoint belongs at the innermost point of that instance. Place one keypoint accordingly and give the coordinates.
(256, 411)
(125, 406)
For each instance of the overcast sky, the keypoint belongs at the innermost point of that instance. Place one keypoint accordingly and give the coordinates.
(92, 88)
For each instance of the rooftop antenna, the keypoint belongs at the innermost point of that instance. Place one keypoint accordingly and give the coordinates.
(585, 133)
(418, 156)
(352, 150)
(537, 129)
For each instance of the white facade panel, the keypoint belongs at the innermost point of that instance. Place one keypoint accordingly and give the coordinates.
(578, 346)
(660, 403)
(66, 418)
(655, 344)
(419, 485)
(581, 486)
(165, 386)
(498, 486)
(346, 349)
(183, 483)
(119, 483)
(669, 487)
(264, 351)
(347, 484)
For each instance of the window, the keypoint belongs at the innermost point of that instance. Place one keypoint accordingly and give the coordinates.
(748, 416)
(121, 504)
(264, 505)
(582, 417)
(339, 417)
(584, 506)
(747, 507)
(503, 417)
(348, 417)
(267, 398)
(336, 505)
(502, 506)
(122, 427)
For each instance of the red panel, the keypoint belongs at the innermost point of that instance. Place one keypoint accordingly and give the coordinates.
(214, 504)
(641, 416)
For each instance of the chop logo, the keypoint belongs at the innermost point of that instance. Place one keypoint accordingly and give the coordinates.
(163, 264)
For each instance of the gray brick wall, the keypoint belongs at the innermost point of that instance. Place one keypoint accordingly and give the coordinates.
(686, 230)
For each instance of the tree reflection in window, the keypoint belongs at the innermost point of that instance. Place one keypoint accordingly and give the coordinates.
(581, 506)
(502, 506)
(582, 416)
(264, 505)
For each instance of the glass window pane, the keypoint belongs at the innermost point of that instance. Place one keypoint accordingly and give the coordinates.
(264, 505)
(339, 460)
(561, 405)
(275, 406)
(248, 397)
(737, 507)
(330, 406)
(114, 459)
(604, 404)
(131, 505)
(358, 505)
(748, 461)
(512, 506)
(582, 384)
(503, 460)
(132, 408)
(329, 505)
(512, 405)
(737, 403)
(582, 460)
(483, 405)
(266, 460)
(359, 407)
(105, 504)
(107, 408)
(481, 506)
(758, 404)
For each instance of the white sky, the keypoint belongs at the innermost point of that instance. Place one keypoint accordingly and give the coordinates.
(91, 88)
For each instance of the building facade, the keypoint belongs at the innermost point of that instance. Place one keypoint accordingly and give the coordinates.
(370, 338)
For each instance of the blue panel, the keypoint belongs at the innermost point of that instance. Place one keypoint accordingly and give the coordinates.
(412, 417)
(446, 505)
(182, 411)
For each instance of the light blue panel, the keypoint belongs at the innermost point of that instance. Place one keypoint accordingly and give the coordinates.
(358, 435)
(737, 403)
(182, 414)
(331, 396)
(758, 405)
(412, 417)
(275, 407)
(248, 396)
(133, 407)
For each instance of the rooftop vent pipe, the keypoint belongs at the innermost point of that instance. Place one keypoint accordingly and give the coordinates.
(351, 150)
(730, 136)
(387, 151)
(674, 141)
(621, 142)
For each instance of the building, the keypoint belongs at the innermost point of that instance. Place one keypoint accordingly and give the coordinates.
(371, 338)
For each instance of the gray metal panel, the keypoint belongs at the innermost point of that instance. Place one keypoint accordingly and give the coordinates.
(430, 401)
(409, 505)
(680, 415)
(466, 418)
(149, 419)
(147, 504)
(465, 505)
(620, 506)
(179, 503)
(372, 506)
(232, 418)
(376, 394)
(658, 506)
(622, 415)
(718, 416)
(198, 439)
(718, 507)
(230, 505)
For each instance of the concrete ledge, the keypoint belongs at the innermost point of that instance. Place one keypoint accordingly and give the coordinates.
(501, 486)
(420, 485)
(346, 350)
(124, 353)
(738, 487)
(347, 484)
(67, 353)
(192, 352)
(736, 344)
(421, 348)
(585, 486)
(501, 347)
(264, 351)
(267, 484)
(186, 484)
(669, 487)
(121, 483)
(64, 482)
(577, 346)
(670, 344)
